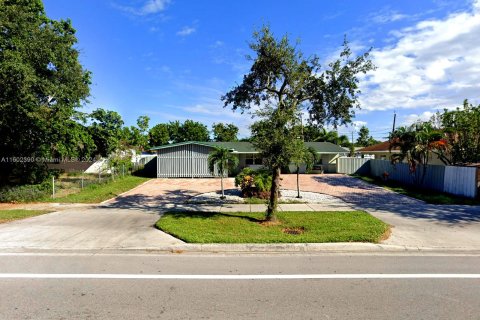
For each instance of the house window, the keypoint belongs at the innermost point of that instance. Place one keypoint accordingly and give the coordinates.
(252, 159)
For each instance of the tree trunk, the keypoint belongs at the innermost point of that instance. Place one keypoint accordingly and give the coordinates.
(273, 203)
(298, 183)
(221, 183)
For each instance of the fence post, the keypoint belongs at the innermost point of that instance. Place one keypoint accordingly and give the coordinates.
(123, 170)
(82, 180)
(53, 186)
(113, 174)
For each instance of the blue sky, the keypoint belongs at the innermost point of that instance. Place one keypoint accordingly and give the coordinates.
(173, 59)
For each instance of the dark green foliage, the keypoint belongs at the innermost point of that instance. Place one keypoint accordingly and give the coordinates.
(193, 131)
(106, 131)
(224, 132)
(26, 193)
(462, 132)
(364, 139)
(188, 131)
(254, 183)
(313, 132)
(136, 137)
(42, 83)
(158, 135)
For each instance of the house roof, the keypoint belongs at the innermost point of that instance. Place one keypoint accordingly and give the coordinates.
(247, 147)
(379, 147)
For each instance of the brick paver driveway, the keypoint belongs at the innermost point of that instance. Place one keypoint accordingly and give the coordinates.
(414, 222)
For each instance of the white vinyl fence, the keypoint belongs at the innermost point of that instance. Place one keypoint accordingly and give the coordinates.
(461, 181)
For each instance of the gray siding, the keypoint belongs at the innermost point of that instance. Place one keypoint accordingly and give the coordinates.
(350, 165)
(401, 172)
(461, 181)
(186, 161)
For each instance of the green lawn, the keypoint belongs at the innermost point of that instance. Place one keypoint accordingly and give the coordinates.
(100, 192)
(9, 215)
(242, 227)
(429, 196)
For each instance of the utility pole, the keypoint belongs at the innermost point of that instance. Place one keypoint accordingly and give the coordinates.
(394, 119)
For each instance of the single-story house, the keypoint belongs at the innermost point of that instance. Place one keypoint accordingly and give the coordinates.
(381, 151)
(189, 159)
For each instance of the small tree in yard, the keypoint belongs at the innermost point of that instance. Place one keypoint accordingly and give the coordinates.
(303, 155)
(223, 160)
(280, 81)
(417, 143)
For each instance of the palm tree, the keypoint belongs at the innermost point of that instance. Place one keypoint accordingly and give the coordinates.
(223, 160)
(303, 155)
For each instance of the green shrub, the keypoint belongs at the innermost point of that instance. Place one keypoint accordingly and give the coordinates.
(254, 183)
(25, 193)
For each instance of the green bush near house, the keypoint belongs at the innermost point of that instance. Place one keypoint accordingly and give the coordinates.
(254, 183)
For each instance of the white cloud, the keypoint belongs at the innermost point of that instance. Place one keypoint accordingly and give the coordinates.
(413, 117)
(385, 16)
(434, 64)
(154, 6)
(149, 7)
(186, 31)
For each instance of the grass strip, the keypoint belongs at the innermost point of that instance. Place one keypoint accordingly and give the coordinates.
(293, 227)
(96, 193)
(15, 214)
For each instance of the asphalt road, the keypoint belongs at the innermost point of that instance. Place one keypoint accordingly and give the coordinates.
(170, 286)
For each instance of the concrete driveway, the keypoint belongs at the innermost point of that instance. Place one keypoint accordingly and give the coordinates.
(415, 223)
(126, 222)
(99, 228)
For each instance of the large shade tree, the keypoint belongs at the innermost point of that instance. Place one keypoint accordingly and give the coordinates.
(42, 83)
(280, 81)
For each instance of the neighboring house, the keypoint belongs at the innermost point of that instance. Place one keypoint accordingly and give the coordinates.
(189, 159)
(380, 151)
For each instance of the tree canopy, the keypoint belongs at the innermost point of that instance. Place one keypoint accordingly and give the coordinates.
(280, 82)
(462, 132)
(224, 132)
(42, 82)
(364, 138)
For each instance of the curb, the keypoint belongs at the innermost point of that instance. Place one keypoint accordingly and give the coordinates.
(287, 248)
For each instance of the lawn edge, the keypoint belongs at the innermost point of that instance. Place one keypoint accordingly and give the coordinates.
(121, 194)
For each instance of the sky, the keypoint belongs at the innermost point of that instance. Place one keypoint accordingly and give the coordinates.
(174, 59)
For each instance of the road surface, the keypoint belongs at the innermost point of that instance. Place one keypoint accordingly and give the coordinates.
(181, 286)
